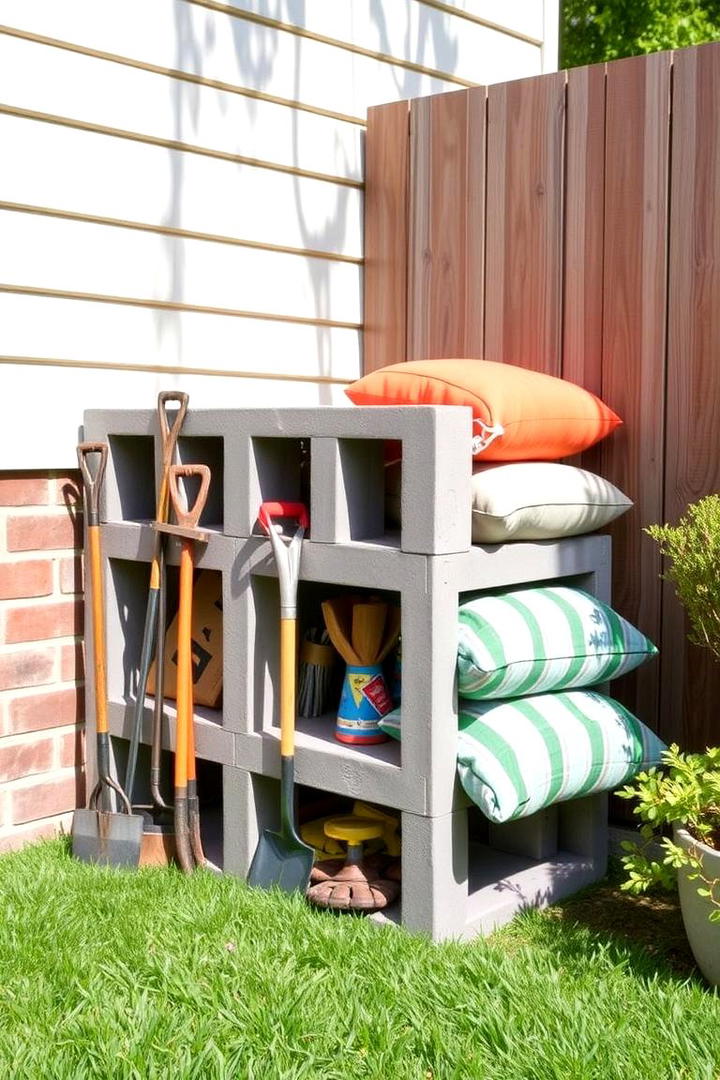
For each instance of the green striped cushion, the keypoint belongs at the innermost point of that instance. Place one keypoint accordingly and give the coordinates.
(541, 638)
(516, 757)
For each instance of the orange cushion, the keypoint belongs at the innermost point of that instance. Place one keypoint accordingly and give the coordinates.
(518, 414)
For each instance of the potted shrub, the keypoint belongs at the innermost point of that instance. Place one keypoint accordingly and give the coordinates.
(684, 793)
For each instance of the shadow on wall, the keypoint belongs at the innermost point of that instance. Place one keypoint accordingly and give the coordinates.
(256, 53)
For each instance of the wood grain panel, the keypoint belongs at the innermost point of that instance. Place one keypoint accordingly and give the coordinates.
(634, 285)
(690, 679)
(445, 310)
(584, 240)
(386, 235)
(523, 268)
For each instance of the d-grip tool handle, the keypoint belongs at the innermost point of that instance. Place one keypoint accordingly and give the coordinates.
(295, 510)
(187, 518)
(170, 434)
(92, 480)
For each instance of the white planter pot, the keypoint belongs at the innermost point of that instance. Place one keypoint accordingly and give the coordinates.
(703, 935)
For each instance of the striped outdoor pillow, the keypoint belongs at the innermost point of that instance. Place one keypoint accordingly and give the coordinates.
(542, 638)
(516, 757)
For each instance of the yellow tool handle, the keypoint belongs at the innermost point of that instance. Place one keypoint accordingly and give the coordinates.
(184, 665)
(288, 657)
(98, 626)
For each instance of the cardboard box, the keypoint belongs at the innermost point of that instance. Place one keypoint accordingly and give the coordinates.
(207, 653)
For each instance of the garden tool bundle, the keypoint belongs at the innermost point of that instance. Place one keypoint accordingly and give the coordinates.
(317, 661)
(363, 630)
(99, 834)
(281, 858)
(158, 844)
(188, 841)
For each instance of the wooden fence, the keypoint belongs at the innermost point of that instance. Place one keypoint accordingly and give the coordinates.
(571, 223)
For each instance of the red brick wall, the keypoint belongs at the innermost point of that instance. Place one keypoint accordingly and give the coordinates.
(41, 669)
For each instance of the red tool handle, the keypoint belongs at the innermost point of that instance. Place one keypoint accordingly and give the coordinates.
(295, 510)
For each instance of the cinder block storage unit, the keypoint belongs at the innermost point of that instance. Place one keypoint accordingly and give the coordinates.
(460, 876)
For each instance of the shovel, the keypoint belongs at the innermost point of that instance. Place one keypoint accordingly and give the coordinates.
(187, 816)
(281, 858)
(98, 834)
(158, 839)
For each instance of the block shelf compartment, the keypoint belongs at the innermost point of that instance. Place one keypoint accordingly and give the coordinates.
(429, 565)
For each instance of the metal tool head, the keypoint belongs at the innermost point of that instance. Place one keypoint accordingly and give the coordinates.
(281, 859)
(105, 837)
(109, 839)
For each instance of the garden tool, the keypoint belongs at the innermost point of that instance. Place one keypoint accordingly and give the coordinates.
(187, 815)
(158, 842)
(357, 884)
(98, 834)
(363, 630)
(281, 858)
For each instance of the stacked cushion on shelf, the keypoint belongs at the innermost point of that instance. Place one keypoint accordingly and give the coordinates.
(516, 757)
(518, 414)
(530, 500)
(541, 638)
(536, 500)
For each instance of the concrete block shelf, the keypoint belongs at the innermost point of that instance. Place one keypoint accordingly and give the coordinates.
(333, 459)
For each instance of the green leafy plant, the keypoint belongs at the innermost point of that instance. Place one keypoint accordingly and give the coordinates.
(693, 550)
(685, 791)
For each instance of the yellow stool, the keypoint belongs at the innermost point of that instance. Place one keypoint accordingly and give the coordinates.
(354, 831)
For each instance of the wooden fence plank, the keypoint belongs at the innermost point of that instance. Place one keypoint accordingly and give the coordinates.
(524, 257)
(447, 212)
(636, 179)
(690, 679)
(386, 235)
(584, 240)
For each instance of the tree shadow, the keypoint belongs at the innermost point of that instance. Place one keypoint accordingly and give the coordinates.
(644, 932)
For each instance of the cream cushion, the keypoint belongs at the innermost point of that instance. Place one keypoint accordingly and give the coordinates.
(538, 500)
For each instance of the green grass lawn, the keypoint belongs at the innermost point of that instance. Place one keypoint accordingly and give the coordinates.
(145, 975)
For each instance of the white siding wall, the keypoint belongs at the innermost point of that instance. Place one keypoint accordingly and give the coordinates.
(181, 191)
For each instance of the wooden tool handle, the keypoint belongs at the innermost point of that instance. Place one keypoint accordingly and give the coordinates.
(92, 479)
(170, 434)
(188, 517)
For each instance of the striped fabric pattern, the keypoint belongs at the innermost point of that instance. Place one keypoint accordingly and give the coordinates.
(516, 757)
(542, 638)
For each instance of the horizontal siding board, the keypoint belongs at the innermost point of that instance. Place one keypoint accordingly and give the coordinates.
(417, 33)
(121, 262)
(116, 334)
(217, 45)
(155, 105)
(101, 174)
(522, 16)
(81, 388)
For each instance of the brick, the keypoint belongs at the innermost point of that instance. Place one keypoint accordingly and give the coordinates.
(16, 837)
(67, 489)
(71, 575)
(46, 797)
(31, 577)
(23, 489)
(53, 708)
(25, 757)
(43, 532)
(38, 622)
(71, 749)
(72, 663)
(27, 667)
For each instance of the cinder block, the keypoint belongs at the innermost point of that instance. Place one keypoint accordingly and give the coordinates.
(535, 836)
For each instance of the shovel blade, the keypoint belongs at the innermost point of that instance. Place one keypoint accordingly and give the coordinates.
(107, 839)
(281, 860)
